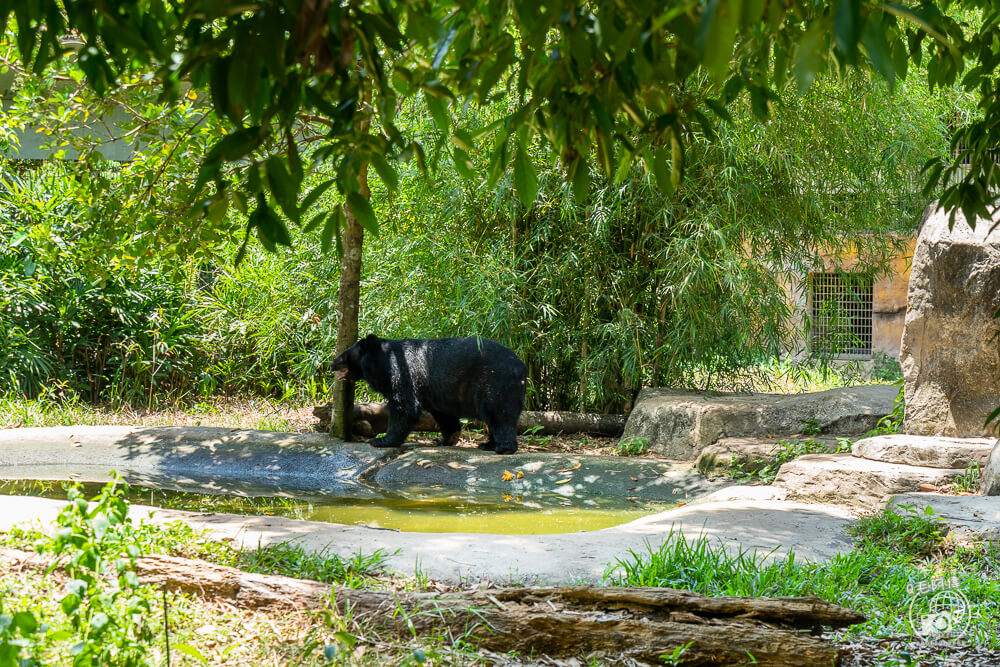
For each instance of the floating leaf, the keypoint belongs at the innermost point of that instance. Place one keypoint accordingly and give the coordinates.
(507, 476)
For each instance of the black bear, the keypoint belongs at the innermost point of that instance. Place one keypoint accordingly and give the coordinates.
(449, 377)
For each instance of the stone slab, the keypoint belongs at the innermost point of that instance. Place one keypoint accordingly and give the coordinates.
(813, 532)
(316, 466)
(854, 481)
(200, 459)
(970, 518)
(679, 424)
(923, 450)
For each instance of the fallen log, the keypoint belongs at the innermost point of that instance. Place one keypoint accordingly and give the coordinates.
(637, 623)
(373, 418)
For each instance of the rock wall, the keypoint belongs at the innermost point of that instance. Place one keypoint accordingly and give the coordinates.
(949, 353)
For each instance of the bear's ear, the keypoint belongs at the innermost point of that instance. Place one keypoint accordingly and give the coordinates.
(370, 341)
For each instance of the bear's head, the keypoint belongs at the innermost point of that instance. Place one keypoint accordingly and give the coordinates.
(348, 363)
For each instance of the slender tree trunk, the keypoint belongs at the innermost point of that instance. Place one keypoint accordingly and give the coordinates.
(349, 300)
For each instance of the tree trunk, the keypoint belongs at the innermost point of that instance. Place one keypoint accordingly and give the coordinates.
(372, 418)
(349, 300)
(637, 623)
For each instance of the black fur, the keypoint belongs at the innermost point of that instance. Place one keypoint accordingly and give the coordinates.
(451, 378)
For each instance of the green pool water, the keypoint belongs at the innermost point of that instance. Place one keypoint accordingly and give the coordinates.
(419, 510)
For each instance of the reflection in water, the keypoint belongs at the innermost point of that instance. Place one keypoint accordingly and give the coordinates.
(416, 509)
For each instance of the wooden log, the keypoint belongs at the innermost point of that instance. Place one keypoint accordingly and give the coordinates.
(637, 623)
(373, 418)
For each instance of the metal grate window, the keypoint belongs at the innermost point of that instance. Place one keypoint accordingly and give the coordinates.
(841, 311)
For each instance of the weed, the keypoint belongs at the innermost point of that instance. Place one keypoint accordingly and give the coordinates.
(633, 447)
(893, 422)
(676, 657)
(811, 426)
(969, 480)
(765, 470)
(531, 437)
(903, 530)
(292, 560)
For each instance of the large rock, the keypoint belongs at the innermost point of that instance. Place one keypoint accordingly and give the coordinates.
(852, 480)
(679, 424)
(991, 473)
(950, 358)
(925, 450)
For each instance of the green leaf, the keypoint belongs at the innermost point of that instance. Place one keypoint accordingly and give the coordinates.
(580, 177)
(439, 112)
(464, 165)
(993, 416)
(99, 621)
(101, 525)
(676, 159)
(191, 652)
(70, 603)
(270, 228)
(717, 34)
(442, 49)
(361, 209)
(26, 622)
(315, 194)
(334, 221)
(385, 171)
(878, 51)
(525, 179)
(283, 187)
(809, 56)
(314, 223)
(661, 171)
(847, 28)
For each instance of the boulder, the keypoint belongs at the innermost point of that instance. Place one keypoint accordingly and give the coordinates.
(925, 450)
(949, 354)
(990, 485)
(854, 481)
(679, 424)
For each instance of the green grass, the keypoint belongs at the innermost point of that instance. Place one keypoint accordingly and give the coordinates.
(897, 554)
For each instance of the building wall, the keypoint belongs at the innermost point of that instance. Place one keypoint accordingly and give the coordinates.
(888, 300)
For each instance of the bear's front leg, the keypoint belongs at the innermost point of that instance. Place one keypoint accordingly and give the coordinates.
(401, 422)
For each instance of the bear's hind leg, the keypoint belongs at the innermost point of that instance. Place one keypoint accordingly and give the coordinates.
(450, 426)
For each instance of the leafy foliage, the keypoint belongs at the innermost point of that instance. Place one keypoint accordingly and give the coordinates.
(625, 84)
(108, 617)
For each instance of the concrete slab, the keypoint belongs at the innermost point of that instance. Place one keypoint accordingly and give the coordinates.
(925, 450)
(814, 532)
(970, 518)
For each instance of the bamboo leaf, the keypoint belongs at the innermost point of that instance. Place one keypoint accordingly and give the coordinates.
(525, 179)
(362, 210)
